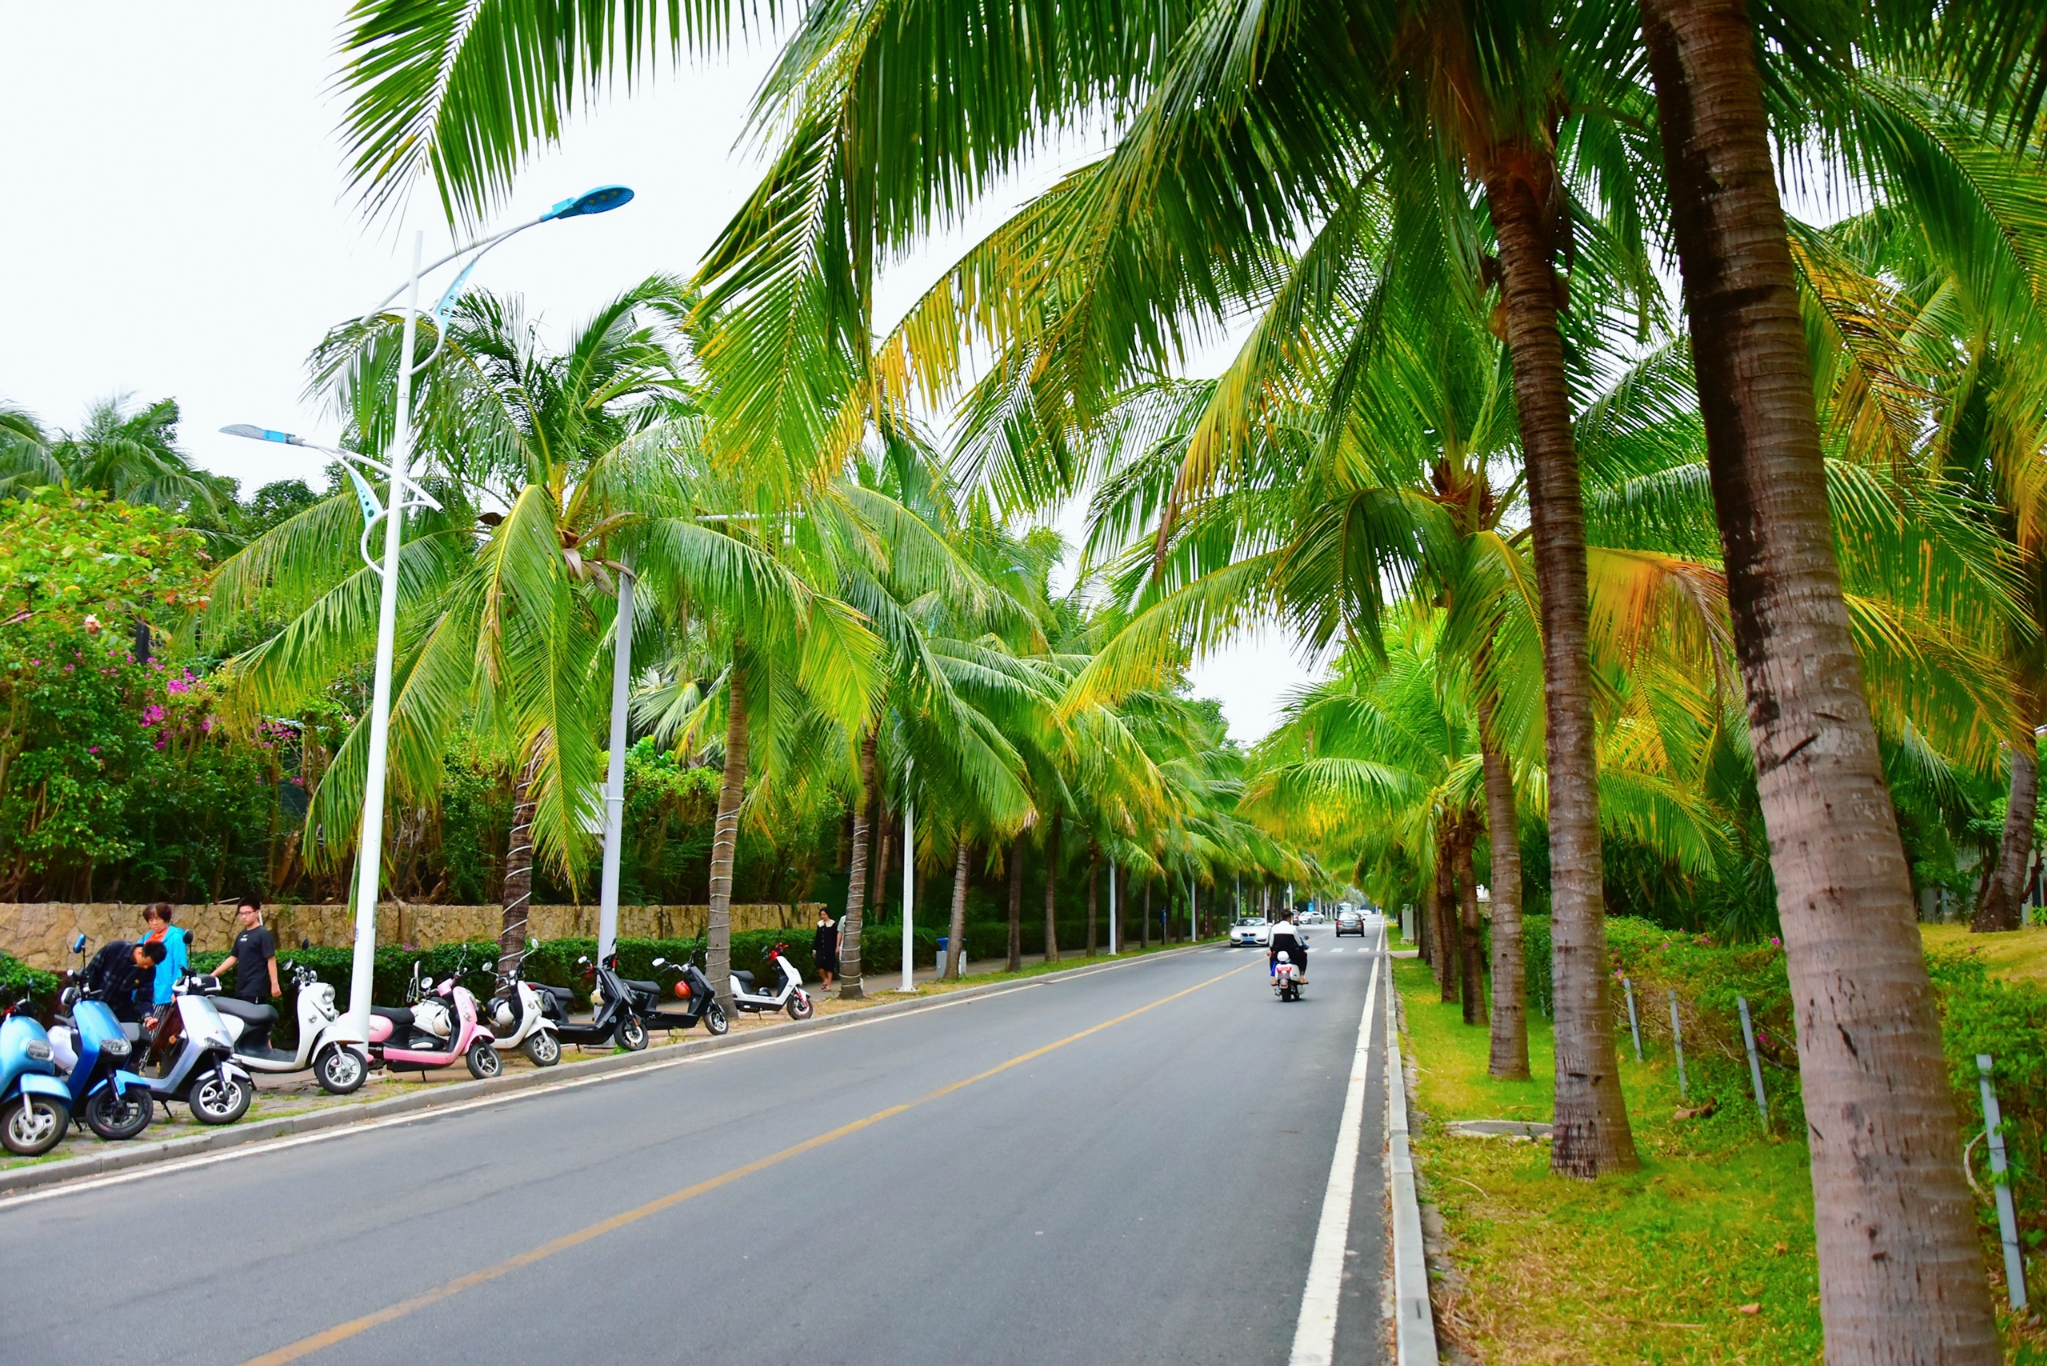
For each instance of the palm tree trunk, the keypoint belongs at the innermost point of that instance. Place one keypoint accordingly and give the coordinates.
(956, 931)
(1016, 858)
(1051, 891)
(2004, 892)
(850, 988)
(1901, 1266)
(1449, 939)
(725, 840)
(1473, 966)
(518, 885)
(1591, 1132)
(1094, 879)
(1144, 935)
(1509, 1054)
(886, 839)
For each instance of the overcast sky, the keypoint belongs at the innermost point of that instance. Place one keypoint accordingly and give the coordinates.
(180, 228)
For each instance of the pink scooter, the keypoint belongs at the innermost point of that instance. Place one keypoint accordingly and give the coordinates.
(440, 1026)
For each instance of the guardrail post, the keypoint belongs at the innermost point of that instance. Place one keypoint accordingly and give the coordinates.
(1755, 1065)
(1677, 1043)
(2007, 1219)
(1634, 1025)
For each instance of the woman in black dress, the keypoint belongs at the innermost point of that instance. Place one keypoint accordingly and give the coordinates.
(824, 950)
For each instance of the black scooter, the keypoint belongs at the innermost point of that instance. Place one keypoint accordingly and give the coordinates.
(611, 1020)
(691, 987)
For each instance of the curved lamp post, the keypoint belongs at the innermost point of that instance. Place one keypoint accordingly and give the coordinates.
(405, 492)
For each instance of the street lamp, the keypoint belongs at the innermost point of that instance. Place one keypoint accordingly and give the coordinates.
(404, 493)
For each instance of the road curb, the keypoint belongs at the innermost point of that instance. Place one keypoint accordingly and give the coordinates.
(1414, 1330)
(118, 1157)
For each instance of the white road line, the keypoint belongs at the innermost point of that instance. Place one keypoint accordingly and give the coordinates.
(1315, 1332)
(152, 1169)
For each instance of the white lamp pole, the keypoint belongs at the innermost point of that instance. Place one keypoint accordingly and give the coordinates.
(370, 848)
(614, 787)
(909, 871)
(1112, 907)
(402, 492)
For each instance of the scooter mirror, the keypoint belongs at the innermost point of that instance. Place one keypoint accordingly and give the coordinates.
(305, 941)
(660, 962)
(78, 944)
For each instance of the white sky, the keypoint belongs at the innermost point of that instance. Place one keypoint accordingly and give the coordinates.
(178, 228)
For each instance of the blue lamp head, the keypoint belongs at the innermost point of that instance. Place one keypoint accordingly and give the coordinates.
(603, 199)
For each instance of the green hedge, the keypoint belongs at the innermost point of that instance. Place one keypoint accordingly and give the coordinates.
(18, 979)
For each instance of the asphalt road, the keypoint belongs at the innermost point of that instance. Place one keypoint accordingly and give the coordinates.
(967, 1184)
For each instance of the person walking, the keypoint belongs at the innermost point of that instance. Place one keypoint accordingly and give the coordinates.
(253, 957)
(824, 950)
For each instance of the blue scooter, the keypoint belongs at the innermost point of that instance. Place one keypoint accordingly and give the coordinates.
(114, 1102)
(35, 1107)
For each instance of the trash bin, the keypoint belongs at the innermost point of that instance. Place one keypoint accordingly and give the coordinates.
(941, 956)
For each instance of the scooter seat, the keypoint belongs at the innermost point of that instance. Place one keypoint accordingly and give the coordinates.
(745, 980)
(248, 1012)
(399, 1016)
(641, 988)
(562, 995)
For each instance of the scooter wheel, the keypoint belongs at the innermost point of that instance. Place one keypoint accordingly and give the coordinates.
(30, 1125)
(542, 1049)
(714, 1018)
(340, 1071)
(220, 1097)
(484, 1062)
(115, 1117)
(800, 1008)
(631, 1033)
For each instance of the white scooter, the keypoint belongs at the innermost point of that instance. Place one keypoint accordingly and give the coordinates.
(1286, 977)
(792, 997)
(329, 1042)
(520, 1020)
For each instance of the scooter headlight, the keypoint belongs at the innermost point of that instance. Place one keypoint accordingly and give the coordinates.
(116, 1047)
(40, 1051)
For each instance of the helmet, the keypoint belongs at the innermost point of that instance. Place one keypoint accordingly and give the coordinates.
(1285, 957)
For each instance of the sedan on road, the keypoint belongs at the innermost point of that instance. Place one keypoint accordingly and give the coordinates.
(1349, 921)
(1251, 931)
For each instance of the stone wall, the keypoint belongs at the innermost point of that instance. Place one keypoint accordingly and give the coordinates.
(39, 933)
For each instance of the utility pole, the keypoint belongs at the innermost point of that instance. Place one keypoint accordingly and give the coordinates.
(909, 871)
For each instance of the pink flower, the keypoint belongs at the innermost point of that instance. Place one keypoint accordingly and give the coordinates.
(92, 749)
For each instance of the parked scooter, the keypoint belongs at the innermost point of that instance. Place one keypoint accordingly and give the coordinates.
(690, 987)
(790, 997)
(35, 1107)
(204, 1073)
(439, 1026)
(611, 1008)
(329, 1042)
(519, 1018)
(91, 1049)
(1286, 977)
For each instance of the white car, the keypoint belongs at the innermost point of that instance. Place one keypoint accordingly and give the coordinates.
(1251, 932)
(1312, 918)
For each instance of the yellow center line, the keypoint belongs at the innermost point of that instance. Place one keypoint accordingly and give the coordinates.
(341, 1332)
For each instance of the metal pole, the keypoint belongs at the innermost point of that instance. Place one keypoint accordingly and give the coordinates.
(1112, 908)
(370, 851)
(2007, 1220)
(614, 788)
(1677, 1043)
(1755, 1066)
(909, 872)
(1634, 1025)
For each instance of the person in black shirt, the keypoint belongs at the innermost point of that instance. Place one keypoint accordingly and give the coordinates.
(120, 972)
(253, 956)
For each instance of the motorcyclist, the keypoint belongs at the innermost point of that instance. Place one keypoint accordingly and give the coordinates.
(1288, 939)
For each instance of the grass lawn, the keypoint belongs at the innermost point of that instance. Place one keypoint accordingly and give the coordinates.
(1653, 1266)
(2016, 956)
